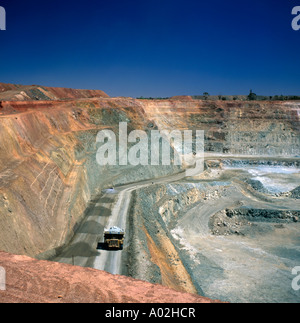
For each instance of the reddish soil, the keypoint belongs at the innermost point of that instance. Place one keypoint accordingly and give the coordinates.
(32, 281)
(12, 92)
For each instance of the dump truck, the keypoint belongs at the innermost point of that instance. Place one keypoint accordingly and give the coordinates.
(114, 238)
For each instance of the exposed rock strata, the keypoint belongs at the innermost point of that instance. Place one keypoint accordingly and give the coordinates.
(48, 165)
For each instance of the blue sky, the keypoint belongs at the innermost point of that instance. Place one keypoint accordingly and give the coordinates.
(153, 48)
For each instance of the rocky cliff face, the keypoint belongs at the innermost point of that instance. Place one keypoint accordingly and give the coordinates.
(48, 154)
(49, 170)
(237, 128)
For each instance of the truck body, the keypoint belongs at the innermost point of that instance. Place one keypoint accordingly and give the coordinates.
(114, 238)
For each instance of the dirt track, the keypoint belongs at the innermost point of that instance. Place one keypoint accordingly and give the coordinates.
(110, 209)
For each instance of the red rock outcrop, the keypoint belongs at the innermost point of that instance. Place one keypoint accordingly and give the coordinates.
(11, 92)
(33, 281)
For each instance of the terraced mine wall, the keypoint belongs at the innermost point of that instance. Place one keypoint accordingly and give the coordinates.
(49, 171)
(48, 151)
(237, 128)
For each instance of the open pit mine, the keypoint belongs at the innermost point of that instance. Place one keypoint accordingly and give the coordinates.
(229, 233)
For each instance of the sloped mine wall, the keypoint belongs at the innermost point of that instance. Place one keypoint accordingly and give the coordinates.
(49, 171)
(48, 167)
(234, 128)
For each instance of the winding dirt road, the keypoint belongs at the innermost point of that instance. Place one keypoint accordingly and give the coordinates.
(111, 209)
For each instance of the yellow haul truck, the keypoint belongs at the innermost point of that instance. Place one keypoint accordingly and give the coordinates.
(114, 238)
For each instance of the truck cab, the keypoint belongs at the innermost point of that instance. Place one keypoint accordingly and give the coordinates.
(114, 238)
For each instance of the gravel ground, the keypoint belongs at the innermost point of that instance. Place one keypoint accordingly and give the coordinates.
(238, 244)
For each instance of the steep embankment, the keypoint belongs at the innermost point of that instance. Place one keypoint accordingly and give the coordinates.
(49, 170)
(32, 281)
(234, 127)
(48, 154)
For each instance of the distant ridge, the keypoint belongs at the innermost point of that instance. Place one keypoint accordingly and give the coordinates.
(11, 92)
